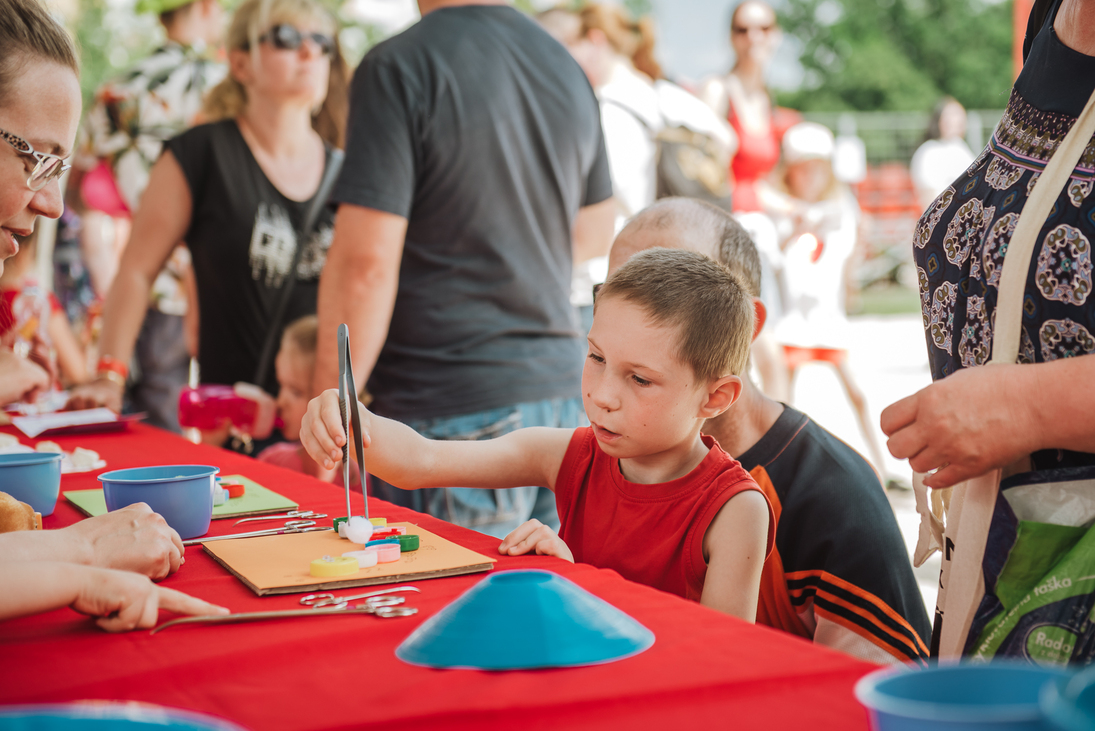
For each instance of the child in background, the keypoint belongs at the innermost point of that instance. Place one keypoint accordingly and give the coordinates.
(32, 322)
(295, 364)
(641, 491)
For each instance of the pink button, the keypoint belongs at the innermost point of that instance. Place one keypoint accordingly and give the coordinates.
(386, 553)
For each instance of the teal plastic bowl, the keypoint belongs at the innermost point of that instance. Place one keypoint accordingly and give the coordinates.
(1069, 703)
(102, 716)
(964, 697)
(182, 494)
(33, 477)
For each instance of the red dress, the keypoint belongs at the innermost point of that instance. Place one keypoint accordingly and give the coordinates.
(652, 534)
(757, 155)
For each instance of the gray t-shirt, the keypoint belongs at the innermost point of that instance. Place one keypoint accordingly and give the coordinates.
(482, 131)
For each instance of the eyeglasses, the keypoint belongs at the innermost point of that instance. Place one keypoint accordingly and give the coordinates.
(285, 37)
(47, 168)
(739, 30)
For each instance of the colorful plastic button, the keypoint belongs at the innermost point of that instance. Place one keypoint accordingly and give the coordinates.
(334, 566)
(385, 552)
(408, 543)
(382, 542)
(365, 559)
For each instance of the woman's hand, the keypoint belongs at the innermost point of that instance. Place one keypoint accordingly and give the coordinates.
(123, 600)
(967, 424)
(100, 392)
(321, 430)
(532, 535)
(20, 379)
(132, 538)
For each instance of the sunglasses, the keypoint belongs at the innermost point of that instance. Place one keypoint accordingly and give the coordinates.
(47, 168)
(739, 30)
(285, 37)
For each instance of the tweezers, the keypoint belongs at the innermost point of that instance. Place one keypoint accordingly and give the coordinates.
(255, 533)
(347, 406)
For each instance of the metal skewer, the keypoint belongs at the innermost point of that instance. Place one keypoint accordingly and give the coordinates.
(347, 405)
(308, 528)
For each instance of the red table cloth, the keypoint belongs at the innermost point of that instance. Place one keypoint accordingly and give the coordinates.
(341, 672)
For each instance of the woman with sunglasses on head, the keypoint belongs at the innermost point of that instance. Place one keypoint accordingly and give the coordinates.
(100, 566)
(238, 191)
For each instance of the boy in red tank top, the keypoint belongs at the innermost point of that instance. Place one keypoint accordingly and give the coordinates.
(640, 491)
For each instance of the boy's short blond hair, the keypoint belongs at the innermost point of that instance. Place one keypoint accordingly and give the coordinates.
(301, 335)
(703, 299)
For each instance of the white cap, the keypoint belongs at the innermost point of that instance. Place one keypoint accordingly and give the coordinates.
(807, 141)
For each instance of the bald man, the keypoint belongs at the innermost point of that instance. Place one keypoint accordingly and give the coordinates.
(840, 574)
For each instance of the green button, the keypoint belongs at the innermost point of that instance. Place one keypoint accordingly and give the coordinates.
(408, 543)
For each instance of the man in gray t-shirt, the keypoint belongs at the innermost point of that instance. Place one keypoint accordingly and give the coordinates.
(475, 176)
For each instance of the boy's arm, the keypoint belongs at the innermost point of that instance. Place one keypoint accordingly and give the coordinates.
(734, 544)
(400, 456)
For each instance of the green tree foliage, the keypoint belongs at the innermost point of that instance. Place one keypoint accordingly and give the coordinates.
(900, 54)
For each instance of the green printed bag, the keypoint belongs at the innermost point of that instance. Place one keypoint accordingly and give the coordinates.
(1039, 570)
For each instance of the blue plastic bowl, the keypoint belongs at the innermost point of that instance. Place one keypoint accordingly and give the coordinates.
(1069, 703)
(33, 477)
(518, 620)
(998, 695)
(182, 494)
(104, 716)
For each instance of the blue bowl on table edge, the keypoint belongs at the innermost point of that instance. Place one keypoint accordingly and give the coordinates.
(33, 477)
(182, 494)
(1068, 704)
(107, 716)
(521, 620)
(961, 697)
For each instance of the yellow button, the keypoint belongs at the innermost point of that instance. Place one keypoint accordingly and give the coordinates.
(334, 566)
(378, 521)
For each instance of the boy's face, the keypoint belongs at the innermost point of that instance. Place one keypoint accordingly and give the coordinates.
(294, 372)
(643, 403)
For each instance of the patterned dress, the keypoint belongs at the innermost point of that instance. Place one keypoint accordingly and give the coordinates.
(960, 241)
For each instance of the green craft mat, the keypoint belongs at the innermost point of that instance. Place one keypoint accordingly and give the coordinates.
(256, 500)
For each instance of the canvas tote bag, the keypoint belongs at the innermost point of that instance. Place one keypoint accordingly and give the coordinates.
(969, 505)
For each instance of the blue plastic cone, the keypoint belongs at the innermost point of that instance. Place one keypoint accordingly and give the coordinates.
(519, 620)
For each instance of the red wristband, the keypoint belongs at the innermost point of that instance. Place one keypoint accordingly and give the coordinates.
(106, 363)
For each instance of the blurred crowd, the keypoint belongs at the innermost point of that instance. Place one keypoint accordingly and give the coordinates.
(143, 299)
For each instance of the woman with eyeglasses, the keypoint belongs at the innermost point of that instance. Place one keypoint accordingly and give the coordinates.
(39, 114)
(100, 566)
(237, 191)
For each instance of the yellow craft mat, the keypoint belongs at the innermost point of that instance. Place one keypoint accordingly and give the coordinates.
(280, 564)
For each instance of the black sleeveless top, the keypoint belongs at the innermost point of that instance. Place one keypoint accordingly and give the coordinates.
(960, 241)
(242, 237)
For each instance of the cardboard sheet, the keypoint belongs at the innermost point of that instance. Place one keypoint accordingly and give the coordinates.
(256, 500)
(279, 564)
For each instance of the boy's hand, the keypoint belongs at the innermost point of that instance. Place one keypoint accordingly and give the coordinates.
(321, 430)
(532, 535)
(123, 600)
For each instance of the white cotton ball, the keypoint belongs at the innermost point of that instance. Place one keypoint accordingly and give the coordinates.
(359, 530)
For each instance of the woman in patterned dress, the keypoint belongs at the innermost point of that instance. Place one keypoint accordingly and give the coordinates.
(970, 422)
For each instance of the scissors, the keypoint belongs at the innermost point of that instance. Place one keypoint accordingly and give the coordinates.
(347, 406)
(325, 600)
(291, 526)
(385, 607)
(304, 514)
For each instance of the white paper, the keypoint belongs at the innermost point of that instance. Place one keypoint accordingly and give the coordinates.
(32, 426)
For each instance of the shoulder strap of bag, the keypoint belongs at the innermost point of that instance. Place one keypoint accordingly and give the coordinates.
(1013, 276)
(319, 200)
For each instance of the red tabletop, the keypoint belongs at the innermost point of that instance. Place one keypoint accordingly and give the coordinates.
(341, 672)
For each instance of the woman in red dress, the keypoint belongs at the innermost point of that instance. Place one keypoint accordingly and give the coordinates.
(742, 97)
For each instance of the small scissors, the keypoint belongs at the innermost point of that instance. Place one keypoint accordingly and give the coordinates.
(385, 607)
(317, 601)
(304, 514)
